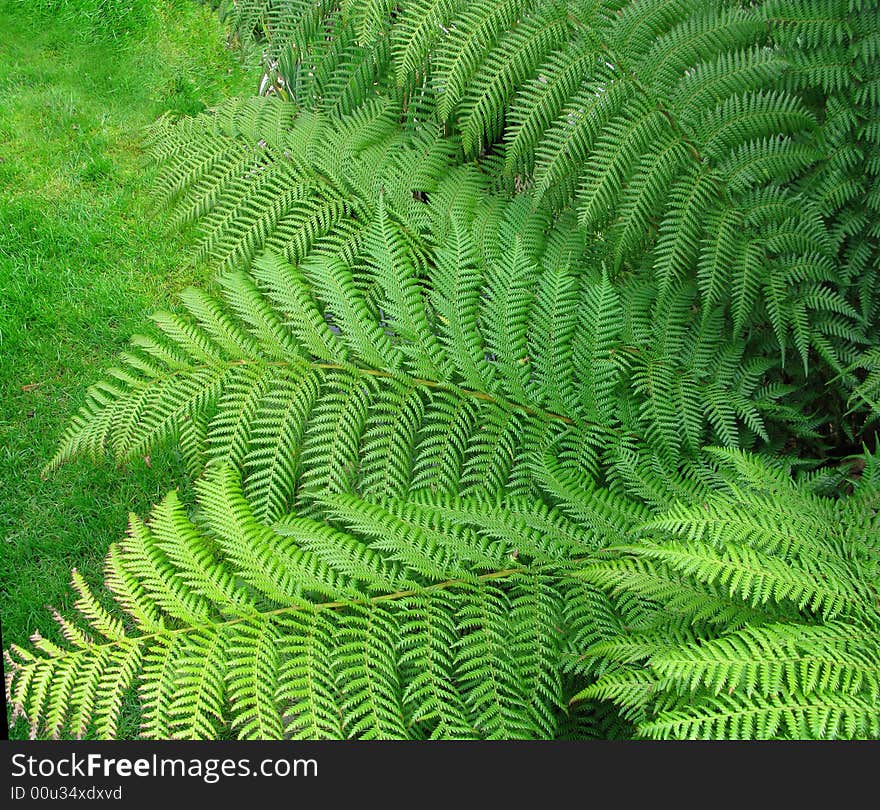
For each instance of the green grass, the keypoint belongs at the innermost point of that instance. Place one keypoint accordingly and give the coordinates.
(83, 259)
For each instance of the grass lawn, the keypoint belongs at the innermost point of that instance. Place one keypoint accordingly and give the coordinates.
(83, 258)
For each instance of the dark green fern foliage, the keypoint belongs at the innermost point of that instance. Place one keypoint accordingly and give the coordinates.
(676, 130)
(517, 407)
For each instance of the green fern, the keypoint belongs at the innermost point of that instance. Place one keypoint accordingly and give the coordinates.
(493, 277)
(410, 366)
(330, 178)
(456, 617)
(303, 629)
(662, 122)
(778, 588)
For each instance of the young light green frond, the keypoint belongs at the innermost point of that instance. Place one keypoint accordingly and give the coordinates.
(756, 578)
(823, 716)
(799, 662)
(303, 630)
(768, 659)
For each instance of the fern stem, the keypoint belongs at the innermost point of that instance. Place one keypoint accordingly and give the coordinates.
(388, 597)
(481, 395)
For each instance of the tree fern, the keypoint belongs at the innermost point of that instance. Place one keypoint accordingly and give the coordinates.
(230, 622)
(430, 617)
(794, 654)
(315, 372)
(624, 108)
(493, 277)
(336, 200)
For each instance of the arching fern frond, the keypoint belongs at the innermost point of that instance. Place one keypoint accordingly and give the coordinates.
(456, 618)
(493, 276)
(410, 366)
(795, 653)
(304, 629)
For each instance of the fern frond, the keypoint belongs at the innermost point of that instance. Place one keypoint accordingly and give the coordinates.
(794, 654)
(267, 631)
